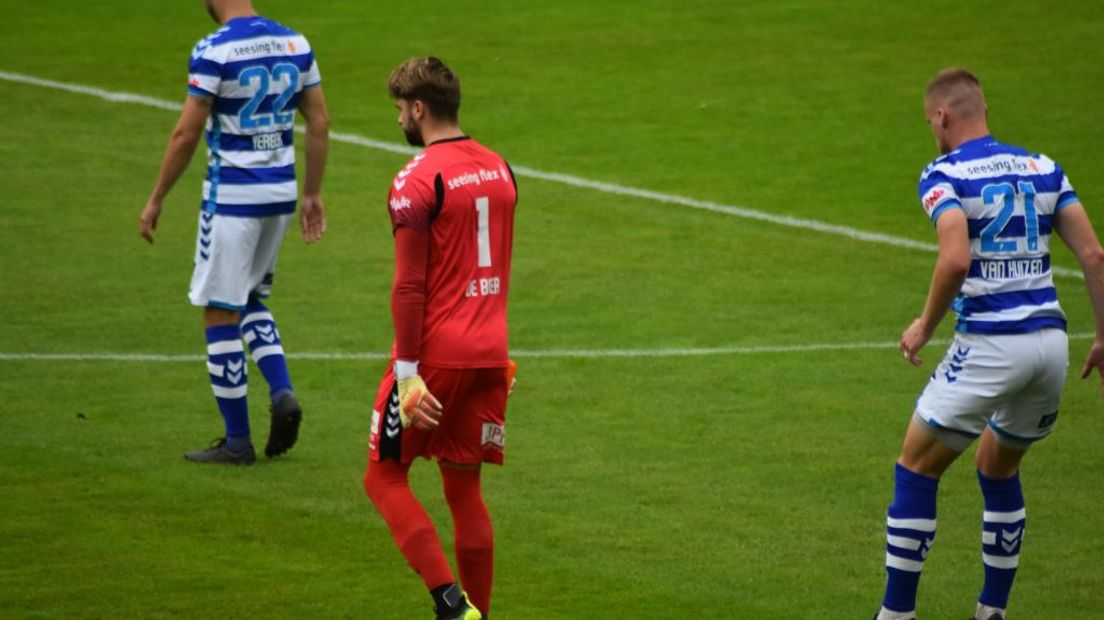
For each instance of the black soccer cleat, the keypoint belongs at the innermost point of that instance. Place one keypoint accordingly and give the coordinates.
(219, 454)
(460, 609)
(283, 430)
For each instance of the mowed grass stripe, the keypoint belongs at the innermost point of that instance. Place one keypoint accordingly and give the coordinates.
(555, 177)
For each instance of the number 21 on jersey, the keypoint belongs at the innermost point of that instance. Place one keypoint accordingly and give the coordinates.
(1003, 234)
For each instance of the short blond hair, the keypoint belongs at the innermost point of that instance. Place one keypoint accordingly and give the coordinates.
(429, 80)
(959, 90)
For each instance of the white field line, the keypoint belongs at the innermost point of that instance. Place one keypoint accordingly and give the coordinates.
(555, 177)
(519, 354)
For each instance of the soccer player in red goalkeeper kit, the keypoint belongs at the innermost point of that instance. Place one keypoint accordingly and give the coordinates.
(444, 396)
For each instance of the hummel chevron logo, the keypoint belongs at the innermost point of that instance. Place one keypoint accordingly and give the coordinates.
(234, 371)
(207, 217)
(204, 255)
(205, 242)
(392, 430)
(960, 356)
(1011, 539)
(955, 368)
(405, 172)
(927, 547)
(399, 184)
(950, 378)
(205, 230)
(393, 424)
(266, 333)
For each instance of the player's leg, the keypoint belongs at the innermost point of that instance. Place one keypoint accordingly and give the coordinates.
(473, 533)
(388, 486)
(1029, 416)
(261, 334)
(472, 432)
(220, 286)
(911, 518)
(1003, 521)
(950, 414)
(258, 328)
(229, 378)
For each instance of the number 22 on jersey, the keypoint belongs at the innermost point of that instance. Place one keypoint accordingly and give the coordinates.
(260, 78)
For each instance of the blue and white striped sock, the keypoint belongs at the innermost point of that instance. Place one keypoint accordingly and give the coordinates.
(260, 333)
(1002, 533)
(226, 367)
(910, 532)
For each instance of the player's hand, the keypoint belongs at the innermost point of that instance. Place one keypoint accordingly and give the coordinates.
(1095, 359)
(511, 378)
(147, 222)
(312, 218)
(417, 406)
(912, 340)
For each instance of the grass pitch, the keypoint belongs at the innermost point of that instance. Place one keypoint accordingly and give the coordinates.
(736, 486)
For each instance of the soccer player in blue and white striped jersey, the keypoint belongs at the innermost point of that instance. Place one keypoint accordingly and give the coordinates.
(245, 83)
(995, 208)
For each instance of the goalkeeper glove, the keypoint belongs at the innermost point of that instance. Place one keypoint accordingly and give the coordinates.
(511, 378)
(417, 405)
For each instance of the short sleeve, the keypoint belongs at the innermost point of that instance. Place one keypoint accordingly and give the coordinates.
(312, 77)
(1066, 195)
(937, 194)
(204, 74)
(412, 202)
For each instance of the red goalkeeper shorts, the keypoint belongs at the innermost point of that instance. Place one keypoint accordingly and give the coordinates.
(473, 425)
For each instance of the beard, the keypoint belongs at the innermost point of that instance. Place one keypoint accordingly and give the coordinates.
(211, 10)
(413, 135)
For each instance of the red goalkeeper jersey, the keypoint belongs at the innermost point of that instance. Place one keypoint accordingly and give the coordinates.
(452, 213)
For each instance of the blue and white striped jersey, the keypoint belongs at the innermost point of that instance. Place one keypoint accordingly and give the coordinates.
(256, 70)
(1010, 198)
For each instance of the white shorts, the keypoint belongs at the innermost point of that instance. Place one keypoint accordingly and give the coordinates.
(1012, 382)
(235, 257)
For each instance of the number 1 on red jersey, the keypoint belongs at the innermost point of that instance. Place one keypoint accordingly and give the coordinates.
(483, 230)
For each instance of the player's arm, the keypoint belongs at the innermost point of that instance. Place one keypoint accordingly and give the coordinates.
(312, 214)
(408, 299)
(950, 272)
(181, 147)
(1072, 224)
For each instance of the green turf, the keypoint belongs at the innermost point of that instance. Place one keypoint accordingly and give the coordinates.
(737, 486)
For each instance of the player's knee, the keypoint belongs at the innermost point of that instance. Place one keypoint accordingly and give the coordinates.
(475, 551)
(371, 485)
(213, 316)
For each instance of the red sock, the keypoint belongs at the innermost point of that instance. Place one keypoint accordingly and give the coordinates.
(389, 489)
(473, 533)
